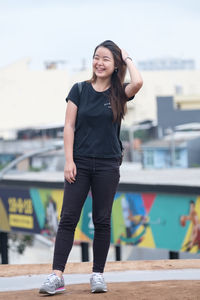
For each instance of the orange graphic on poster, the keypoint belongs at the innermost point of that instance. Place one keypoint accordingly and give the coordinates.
(194, 239)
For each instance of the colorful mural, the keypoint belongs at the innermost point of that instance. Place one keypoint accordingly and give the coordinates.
(149, 220)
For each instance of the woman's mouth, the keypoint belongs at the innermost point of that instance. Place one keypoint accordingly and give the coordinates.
(100, 69)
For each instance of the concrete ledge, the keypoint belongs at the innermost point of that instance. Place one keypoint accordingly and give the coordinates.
(86, 267)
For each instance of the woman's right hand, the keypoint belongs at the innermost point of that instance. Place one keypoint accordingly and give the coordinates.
(70, 171)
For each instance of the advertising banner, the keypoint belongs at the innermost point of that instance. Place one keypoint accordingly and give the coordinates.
(149, 220)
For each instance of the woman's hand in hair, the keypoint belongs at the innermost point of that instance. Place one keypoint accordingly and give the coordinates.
(136, 81)
(124, 55)
(70, 171)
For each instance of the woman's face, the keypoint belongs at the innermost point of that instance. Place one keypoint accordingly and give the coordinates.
(103, 63)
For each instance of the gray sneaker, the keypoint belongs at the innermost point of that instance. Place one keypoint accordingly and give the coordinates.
(52, 285)
(97, 283)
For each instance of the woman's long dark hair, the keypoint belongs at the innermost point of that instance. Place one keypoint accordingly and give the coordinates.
(118, 97)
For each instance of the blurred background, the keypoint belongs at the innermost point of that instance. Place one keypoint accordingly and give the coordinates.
(47, 46)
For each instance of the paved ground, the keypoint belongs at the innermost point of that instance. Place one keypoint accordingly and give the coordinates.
(29, 282)
(142, 290)
(166, 290)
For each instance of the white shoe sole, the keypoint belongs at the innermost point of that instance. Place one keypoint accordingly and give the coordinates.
(98, 289)
(58, 291)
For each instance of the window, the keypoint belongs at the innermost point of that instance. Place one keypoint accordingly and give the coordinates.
(177, 155)
(150, 157)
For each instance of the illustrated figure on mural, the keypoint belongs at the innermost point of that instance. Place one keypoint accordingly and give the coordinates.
(51, 218)
(194, 239)
(135, 223)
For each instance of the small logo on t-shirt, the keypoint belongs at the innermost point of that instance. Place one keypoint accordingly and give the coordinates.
(107, 104)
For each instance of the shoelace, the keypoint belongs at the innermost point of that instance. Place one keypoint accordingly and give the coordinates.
(98, 278)
(51, 278)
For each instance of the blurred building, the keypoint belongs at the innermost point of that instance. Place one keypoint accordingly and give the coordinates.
(170, 114)
(33, 105)
(172, 152)
(32, 98)
(166, 64)
(177, 144)
(182, 85)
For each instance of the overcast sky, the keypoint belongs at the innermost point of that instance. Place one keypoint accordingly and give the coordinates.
(70, 29)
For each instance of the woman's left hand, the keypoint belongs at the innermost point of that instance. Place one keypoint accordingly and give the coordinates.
(124, 54)
(136, 81)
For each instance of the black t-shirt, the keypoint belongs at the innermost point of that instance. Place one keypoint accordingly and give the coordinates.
(96, 135)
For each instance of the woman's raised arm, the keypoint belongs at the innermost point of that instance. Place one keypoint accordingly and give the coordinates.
(136, 79)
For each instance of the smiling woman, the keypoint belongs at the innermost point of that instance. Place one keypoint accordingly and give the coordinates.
(93, 154)
(110, 68)
(103, 62)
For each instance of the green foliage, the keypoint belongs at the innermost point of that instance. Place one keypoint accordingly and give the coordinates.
(3, 165)
(18, 241)
(195, 165)
(143, 135)
(33, 169)
(37, 169)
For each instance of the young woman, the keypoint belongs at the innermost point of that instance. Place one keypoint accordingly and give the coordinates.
(93, 156)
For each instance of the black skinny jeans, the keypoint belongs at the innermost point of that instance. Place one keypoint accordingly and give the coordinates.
(101, 175)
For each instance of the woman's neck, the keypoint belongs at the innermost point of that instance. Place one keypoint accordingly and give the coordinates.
(101, 84)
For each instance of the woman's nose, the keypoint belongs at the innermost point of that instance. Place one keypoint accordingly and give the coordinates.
(100, 62)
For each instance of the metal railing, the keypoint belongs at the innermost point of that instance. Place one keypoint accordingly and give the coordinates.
(15, 162)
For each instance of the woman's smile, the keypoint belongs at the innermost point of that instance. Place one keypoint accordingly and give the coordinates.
(100, 69)
(103, 62)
